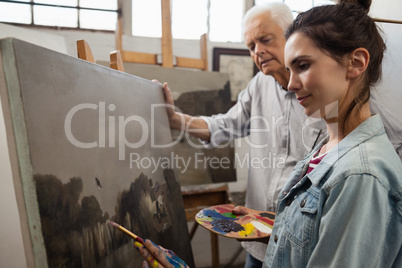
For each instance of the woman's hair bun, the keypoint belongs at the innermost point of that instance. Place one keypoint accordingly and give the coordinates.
(364, 3)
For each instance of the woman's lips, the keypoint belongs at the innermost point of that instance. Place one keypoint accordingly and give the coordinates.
(302, 99)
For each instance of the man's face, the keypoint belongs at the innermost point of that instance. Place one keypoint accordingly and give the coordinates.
(264, 38)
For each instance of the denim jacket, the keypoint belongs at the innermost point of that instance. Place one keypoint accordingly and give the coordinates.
(347, 212)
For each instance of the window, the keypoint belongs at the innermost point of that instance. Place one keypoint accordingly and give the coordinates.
(221, 19)
(225, 20)
(146, 18)
(83, 14)
(15, 12)
(190, 19)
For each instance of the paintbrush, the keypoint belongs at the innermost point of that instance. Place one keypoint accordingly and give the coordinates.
(121, 228)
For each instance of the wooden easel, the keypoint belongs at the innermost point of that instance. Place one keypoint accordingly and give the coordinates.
(116, 62)
(166, 44)
(84, 52)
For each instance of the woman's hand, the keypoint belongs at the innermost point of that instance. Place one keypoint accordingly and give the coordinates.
(157, 256)
(239, 210)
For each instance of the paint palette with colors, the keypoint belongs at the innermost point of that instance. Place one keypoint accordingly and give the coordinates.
(220, 219)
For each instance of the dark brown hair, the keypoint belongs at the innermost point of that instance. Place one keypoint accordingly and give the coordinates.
(340, 29)
(364, 3)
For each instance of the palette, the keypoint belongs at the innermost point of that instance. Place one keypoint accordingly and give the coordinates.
(220, 220)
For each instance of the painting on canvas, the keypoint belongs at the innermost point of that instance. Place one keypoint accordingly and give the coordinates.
(91, 145)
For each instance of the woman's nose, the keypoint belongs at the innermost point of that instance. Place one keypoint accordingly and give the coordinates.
(293, 85)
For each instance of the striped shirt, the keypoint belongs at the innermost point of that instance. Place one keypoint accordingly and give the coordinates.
(315, 160)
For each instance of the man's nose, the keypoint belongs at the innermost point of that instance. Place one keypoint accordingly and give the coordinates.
(259, 49)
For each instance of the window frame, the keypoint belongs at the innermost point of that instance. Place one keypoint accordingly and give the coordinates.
(77, 8)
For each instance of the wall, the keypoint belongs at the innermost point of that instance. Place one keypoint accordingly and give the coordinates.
(389, 90)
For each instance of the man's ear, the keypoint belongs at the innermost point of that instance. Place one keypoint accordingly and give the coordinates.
(357, 62)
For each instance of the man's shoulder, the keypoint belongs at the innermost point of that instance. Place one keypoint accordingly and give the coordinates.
(260, 76)
(260, 80)
(261, 86)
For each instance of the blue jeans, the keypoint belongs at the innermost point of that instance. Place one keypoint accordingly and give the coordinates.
(252, 262)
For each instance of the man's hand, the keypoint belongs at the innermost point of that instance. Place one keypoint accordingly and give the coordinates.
(169, 101)
(157, 256)
(180, 121)
(176, 119)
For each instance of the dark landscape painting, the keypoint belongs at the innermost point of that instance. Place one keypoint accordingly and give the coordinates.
(92, 146)
(75, 230)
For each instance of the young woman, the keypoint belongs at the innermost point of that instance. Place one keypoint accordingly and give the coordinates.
(342, 205)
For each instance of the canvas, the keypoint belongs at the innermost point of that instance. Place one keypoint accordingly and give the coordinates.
(87, 144)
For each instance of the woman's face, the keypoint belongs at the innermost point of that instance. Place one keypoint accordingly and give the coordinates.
(320, 82)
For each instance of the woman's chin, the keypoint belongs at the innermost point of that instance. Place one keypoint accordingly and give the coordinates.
(313, 113)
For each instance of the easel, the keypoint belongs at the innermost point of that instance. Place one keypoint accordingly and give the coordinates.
(116, 61)
(168, 60)
(84, 52)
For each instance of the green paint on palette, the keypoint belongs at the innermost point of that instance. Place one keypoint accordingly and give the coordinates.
(229, 215)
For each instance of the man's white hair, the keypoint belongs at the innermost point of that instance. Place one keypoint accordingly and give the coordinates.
(279, 11)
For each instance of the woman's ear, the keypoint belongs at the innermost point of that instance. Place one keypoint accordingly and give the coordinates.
(357, 62)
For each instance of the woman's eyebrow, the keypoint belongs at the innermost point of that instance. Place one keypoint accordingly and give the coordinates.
(296, 59)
